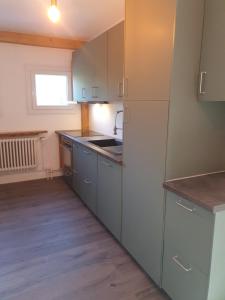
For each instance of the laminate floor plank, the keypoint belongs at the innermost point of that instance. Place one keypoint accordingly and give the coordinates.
(53, 248)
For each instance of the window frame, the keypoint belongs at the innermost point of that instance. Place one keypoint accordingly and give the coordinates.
(31, 71)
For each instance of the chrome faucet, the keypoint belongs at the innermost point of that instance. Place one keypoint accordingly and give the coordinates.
(115, 127)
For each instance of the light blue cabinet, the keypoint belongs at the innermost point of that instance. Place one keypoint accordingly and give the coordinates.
(194, 247)
(145, 133)
(76, 169)
(87, 172)
(109, 195)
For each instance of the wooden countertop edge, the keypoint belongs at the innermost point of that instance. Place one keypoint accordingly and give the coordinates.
(21, 133)
(213, 209)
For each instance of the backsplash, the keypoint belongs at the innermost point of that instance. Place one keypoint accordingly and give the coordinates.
(102, 118)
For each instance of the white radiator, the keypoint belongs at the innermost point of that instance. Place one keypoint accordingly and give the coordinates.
(18, 154)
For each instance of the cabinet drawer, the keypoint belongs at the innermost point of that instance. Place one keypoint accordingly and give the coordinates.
(88, 193)
(109, 194)
(182, 280)
(87, 164)
(189, 228)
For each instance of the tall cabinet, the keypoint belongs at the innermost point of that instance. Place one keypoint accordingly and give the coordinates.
(149, 29)
(212, 69)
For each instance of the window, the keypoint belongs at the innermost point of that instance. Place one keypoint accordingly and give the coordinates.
(50, 90)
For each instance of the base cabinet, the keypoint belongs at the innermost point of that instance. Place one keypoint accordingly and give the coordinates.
(109, 203)
(194, 246)
(85, 175)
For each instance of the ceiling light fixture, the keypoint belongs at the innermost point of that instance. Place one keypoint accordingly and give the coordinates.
(53, 12)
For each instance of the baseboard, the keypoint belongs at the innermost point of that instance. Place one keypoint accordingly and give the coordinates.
(28, 176)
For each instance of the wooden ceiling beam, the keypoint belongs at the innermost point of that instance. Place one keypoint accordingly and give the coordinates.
(39, 40)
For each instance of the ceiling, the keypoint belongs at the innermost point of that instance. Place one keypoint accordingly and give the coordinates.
(81, 19)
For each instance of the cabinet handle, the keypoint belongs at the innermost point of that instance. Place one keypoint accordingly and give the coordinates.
(94, 92)
(83, 93)
(185, 207)
(121, 90)
(176, 260)
(86, 181)
(75, 171)
(126, 115)
(125, 87)
(86, 152)
(106, 164)
(202, 81)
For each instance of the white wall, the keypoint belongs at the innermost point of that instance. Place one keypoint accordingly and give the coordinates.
(102, 118)
(14, 114)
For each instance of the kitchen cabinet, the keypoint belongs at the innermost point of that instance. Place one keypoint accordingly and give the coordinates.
(82, 75)
(149, 36)
(89, 68)
(76, 169)
(98, 60)
(116, 62)
(109, 195)
(98, 68)
(87, 172)
(212, 68)
(194, 247)
(145, 135)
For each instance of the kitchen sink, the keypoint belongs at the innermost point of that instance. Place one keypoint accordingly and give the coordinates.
(107, 143)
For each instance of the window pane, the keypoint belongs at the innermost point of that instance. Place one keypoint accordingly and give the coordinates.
(51, 90)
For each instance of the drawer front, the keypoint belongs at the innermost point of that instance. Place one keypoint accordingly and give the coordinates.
(189, 229)
(87, 164)
(182, 280)
(76, 183)
(88, 193)
(109, 194)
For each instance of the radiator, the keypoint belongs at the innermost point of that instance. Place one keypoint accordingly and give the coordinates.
(18, 154)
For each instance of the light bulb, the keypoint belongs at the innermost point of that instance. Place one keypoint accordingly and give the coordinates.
(54, 13)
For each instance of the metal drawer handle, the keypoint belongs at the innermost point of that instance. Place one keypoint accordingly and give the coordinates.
(202, 79)
(176, 260)
(86, 152)
(106, 164)
(86, 181)
(185, 207)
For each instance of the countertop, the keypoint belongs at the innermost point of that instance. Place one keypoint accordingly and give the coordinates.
(207, 191)
(84, 138)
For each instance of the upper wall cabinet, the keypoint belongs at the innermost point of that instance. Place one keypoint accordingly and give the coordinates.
(97, 56)
(148, 49)
(89, 67)
(116, 63)
(212, 69)
(98, 68)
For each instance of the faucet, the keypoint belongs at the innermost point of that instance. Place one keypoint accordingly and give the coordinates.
(115, 127)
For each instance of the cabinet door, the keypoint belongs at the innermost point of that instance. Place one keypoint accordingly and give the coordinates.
(88, 177)
(143, 175)
(212, 70)
(109, 206)
(98, 61)
(149, 29)
(76, 169)
(115, 62)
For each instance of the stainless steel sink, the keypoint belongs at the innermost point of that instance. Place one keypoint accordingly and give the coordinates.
(107, 143)
(113, 146)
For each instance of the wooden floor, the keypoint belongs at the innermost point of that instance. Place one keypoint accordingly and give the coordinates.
(52, 248)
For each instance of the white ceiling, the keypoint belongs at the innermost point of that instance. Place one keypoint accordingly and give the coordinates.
(81, 19)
